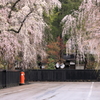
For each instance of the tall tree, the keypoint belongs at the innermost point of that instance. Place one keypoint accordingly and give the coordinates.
(55, 51)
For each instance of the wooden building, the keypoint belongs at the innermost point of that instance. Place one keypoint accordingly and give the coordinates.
(70, 62)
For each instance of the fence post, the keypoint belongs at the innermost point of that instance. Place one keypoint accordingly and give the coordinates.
(4, 78)
(98, 76)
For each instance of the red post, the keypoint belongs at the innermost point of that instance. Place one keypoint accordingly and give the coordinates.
(22, 78)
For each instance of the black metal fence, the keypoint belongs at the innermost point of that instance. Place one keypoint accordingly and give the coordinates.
(62, 75)
(9, 78)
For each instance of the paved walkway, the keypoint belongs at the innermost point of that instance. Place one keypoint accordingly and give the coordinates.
(53, 91)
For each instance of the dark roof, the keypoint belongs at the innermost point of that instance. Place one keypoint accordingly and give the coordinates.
(69, 57)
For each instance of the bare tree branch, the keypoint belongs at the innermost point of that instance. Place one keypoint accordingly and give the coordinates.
(13, 8)
(9, 16)
(21, 23)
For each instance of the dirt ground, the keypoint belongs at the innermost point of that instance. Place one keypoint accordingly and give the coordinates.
(53, 91)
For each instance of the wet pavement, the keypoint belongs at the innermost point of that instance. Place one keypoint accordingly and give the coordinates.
(53, 91)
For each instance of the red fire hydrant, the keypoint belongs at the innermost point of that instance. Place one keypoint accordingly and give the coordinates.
(22, 78)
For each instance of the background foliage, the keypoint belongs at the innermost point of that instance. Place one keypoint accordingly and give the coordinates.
(54, 28)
